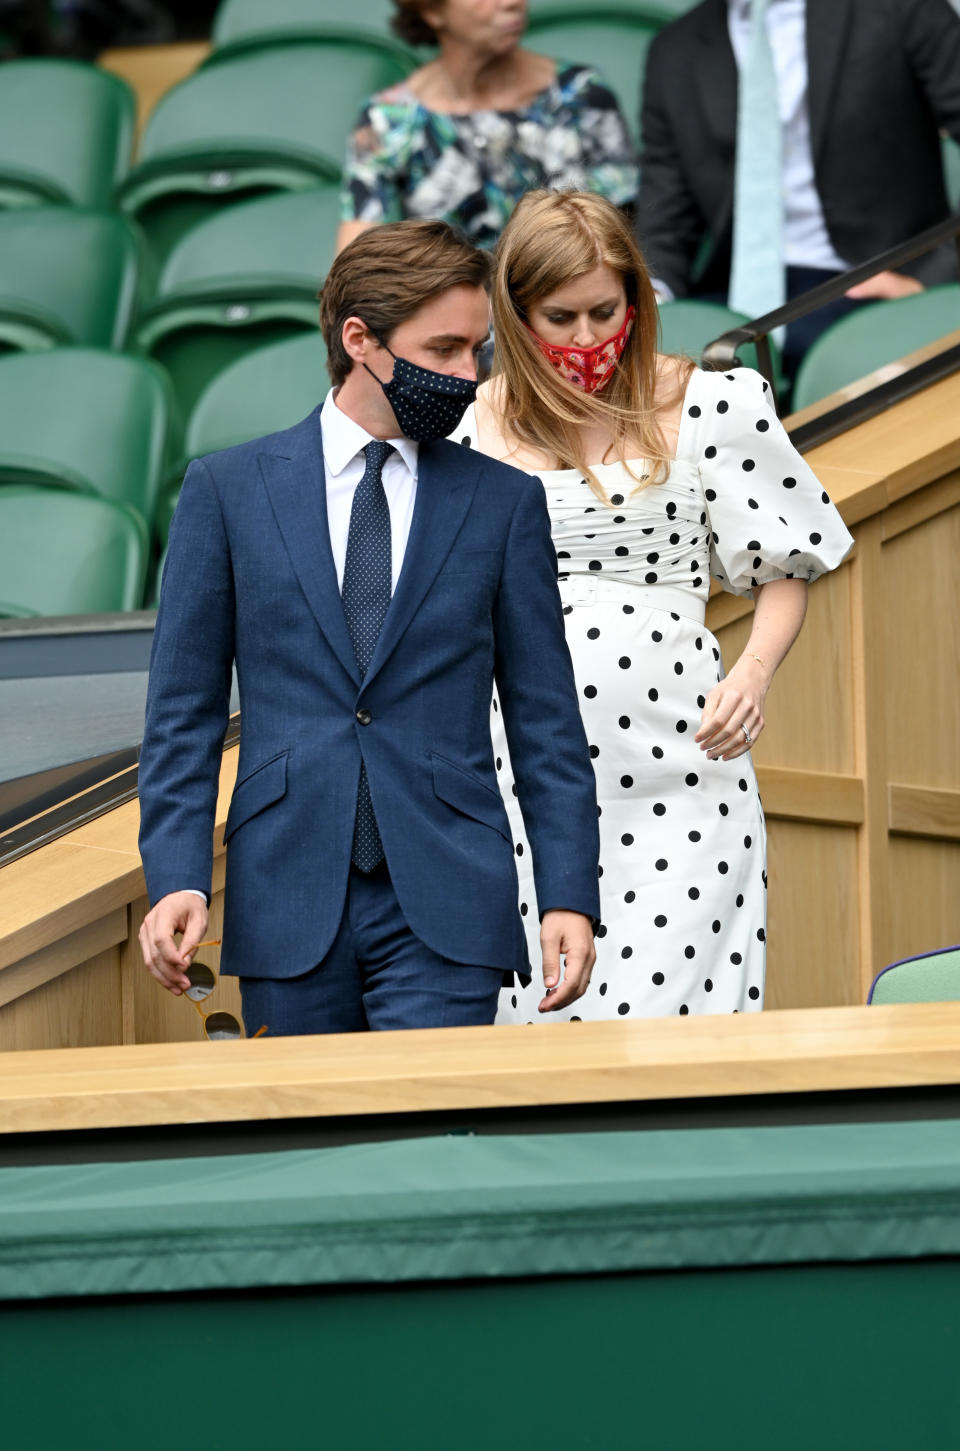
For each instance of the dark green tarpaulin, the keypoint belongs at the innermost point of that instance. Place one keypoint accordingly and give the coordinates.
(461, 1206)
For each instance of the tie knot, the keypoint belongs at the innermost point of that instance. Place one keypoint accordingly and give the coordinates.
(376, 455)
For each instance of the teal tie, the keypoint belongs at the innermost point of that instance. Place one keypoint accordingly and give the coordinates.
(757, 281)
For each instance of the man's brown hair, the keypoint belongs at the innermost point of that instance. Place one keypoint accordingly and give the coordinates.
(386, 274)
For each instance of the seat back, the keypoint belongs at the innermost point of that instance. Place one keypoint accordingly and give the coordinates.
(930, 977)
(268, 390)
(245, 278)
(651, 12)
(92, 420)
(876, 334)
(688, 324)
(67, 275)
(612, 39)
(243, 19)
(69, 553)
(271, 120)
(66, 129)
(289, 24)
(274, 244)
(300, 99)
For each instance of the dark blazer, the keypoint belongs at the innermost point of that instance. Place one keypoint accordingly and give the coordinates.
(883, 75)
(250, 579)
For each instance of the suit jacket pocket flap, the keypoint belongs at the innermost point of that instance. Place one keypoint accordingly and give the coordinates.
(263, 786)
(466, 793)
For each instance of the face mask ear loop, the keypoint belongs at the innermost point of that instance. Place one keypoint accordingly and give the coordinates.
(383, 345)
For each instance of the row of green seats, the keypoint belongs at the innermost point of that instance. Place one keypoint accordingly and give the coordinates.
(244, 22)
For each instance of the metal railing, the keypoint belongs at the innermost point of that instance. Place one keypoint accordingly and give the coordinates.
(721, 354)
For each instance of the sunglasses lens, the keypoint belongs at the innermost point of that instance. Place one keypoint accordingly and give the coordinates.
(202, 981)
(222, 1025)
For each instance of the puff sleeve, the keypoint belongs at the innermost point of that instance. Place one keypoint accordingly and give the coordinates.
(769, 516)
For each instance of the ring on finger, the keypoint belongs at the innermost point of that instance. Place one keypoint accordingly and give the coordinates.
(749, 737)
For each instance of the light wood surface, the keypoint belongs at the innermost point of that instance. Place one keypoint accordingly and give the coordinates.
(477, 1068)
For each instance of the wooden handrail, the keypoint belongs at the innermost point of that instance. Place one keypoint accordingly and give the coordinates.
(802, 1051)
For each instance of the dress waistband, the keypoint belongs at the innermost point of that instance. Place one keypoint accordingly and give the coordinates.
(588, 589)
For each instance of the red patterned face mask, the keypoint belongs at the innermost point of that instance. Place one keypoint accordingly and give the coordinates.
(588, 368)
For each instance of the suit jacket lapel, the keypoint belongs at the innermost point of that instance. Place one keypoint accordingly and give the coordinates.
(827, 25)
(297, 487)
(447, 479)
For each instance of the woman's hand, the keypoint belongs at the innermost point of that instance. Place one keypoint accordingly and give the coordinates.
(735, 703)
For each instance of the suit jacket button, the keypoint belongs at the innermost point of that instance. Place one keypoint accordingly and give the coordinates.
(364, 717)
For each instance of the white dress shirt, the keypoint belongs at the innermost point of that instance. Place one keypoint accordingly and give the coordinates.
(344, 464)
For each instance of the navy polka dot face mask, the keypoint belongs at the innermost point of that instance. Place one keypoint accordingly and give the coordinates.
(426, 404)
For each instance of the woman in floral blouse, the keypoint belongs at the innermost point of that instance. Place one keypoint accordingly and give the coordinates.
(466, 135)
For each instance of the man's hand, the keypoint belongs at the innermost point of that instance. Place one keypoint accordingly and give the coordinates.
(885, 286)
(568, 935)
(183, 912)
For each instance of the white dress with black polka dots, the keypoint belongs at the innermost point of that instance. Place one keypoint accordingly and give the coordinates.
(682, 839)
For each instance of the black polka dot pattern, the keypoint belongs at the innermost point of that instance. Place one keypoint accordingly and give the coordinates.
(674, 826)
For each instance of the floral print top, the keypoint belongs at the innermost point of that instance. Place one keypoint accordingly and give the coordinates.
(471, 170)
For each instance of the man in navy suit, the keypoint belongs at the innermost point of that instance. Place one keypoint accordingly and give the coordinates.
(370, 581)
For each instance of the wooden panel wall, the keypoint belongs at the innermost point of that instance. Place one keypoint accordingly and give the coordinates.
(859, 764)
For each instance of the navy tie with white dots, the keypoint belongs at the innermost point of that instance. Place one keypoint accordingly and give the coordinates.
(367, 586)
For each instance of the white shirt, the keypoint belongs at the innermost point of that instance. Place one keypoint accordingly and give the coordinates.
(806, 241)
(344, 464)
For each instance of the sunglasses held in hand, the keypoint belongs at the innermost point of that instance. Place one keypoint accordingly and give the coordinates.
(202, 981)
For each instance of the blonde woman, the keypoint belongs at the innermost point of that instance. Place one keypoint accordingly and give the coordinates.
(657, 475)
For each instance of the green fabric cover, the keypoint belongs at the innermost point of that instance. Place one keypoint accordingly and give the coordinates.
(462, 1206)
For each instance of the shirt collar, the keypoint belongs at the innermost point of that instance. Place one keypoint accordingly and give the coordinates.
(343, 439)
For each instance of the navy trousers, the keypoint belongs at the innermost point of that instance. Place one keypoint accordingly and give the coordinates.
(377, 974)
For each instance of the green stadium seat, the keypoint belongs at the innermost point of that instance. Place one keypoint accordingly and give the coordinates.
(875, 335)
(66, 129)
(245, 25)
(653, 12)
(68, 553)
(85, 419)
(931, 977)
(612, 38)
(247, 276)
(67, 275)
(271, 120)
(270, 389)
(688, 324)
(239, 20)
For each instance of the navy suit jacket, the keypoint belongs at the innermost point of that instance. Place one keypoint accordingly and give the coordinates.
(250, 579)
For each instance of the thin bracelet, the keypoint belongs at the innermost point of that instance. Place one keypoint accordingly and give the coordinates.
(755, 657)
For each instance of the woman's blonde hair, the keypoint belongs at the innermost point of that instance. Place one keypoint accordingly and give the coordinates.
(551, 239)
